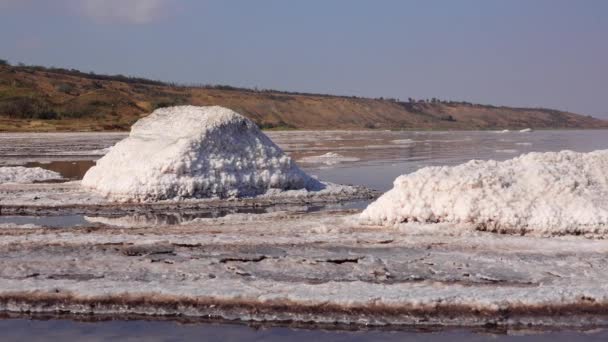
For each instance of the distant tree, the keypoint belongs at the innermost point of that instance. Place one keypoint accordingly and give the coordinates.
(4, 62)
(410, 100)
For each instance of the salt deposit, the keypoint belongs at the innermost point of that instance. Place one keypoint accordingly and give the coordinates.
(187, 151)
(20, 174)
(526, 130)
(545, 193)
(314, 267)
(329, 158)
(403, 141)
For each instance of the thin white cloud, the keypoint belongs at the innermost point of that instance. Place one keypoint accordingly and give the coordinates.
(11, 4)
(127, 11)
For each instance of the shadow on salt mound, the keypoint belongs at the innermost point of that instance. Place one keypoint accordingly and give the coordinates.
(195, 152)
(553, 193)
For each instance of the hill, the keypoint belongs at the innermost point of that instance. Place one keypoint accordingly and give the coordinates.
(34, 98)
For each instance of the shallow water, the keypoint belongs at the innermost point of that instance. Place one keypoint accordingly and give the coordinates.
(46, 221)
(71, 170)
(381, 159)
(64, 330)
(163, 218)
(382, 155)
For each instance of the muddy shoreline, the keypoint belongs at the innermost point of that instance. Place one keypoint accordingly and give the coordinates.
(125, 307)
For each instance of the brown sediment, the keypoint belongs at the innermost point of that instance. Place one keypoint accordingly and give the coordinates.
(152, 304)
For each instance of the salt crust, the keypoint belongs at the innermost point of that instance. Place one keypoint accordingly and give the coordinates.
(547, 193)
(20, 174)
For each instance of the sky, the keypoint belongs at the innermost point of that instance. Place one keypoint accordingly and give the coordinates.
(527, 53)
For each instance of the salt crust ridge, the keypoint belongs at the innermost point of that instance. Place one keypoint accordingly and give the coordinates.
(20, 174)
(329, 158)
(550, 193)
(195, 152)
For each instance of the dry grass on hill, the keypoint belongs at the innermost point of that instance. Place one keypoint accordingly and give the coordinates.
(42, 99)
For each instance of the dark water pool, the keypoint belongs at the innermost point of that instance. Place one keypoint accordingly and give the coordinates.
(69, 330)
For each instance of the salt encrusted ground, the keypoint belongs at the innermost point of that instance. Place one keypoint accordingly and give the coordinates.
(71, 198)
(20, 174)
(306, 268)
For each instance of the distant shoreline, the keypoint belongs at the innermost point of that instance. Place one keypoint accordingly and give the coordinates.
(39, 99)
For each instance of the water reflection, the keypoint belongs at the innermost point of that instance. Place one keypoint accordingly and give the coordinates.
(165, 217)
(65, 330)
(71, 170)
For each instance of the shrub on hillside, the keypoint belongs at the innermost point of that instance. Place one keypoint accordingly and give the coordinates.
(170, 102)
(66, 88)
(27, 107)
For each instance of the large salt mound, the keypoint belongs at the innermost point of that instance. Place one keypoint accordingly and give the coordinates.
(546, 193)
(194, 152)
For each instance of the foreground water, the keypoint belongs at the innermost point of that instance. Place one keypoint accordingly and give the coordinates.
(63, 330)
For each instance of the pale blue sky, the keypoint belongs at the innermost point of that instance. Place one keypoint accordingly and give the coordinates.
(551, 53)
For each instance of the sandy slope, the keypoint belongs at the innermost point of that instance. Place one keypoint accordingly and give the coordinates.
(85, 102)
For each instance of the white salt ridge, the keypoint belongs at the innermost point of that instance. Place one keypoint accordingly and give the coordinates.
(194, 152)
(102, 151)
(526, 130)
(550, 193)
(18, 226)
(330, 158)
(20, 174)
(403, 141)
